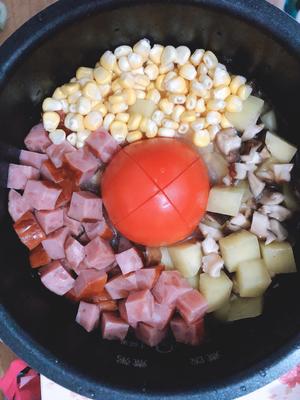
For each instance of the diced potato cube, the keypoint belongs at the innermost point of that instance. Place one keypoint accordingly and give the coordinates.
(238, 247)
(252, 278)
(144, 107)
(186, 258)
(279, 148)
(279, 257)
(241, 308)
(269, 120)
(222, 313)
(166, 259)
(215, 290)
(252, 108)
(194, 281)
(225, 200)
(244, 185)
(290, 200)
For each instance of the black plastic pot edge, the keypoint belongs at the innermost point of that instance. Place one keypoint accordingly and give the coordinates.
(285, 30)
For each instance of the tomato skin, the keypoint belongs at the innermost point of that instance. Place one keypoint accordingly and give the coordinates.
(155, 191)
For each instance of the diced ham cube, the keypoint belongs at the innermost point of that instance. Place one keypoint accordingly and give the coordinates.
(146, 278)
(89, 283)
(42, 195)
(120, 286)
(99, 254)
(75, 227)
(85, 206)
(107, 305)
(122, 310)
(99, 228)
(150, 335)
(38, 257)
(84, 239)
(139, 306)
(18, 176)
(32, 159)
(88, 316)
(50, 172)
(102, 144)
(56, 278)
(161, 316)
(169, 287)
(192, 334)
(37, 139)
(74, 251)
(29, 231)
(93, 184)
(191, 306)
(113, 327)
(70, 295)
(68, 187)
(83, 163)
(54, 243)
(50, 221)
(57, 152)
(17, 205)
(129, 261)
(124, 244)
(100, 296)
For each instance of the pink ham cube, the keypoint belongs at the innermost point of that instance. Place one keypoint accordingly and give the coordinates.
(85, 206)
(120, 286)
(83, 163)
(57, 152)
(17, 205)
(56, 278)
(98, 228)
(18, 175)
(150, 335)
(147, 277)
(169, 287)
(42, 195)
(161, 316)
(32, 159)
(129, 261)
(74, 251)
(122, 310)
(113, 327)
(50, 221)
(37, 139)
(75, 227)
(54, 243)
(99, 254)
(102, 144)
(88, 316)
(89, 283)
(139, 306)
(191, 306)
(187, 333)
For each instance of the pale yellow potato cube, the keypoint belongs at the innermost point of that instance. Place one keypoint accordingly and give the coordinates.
(186, 258)
(280, 148)
(225, 200)
(290, 200)
(238, 247)
(244, 185)
(279, 257)
(166, 259)
(252, 278)
(252, 108)
(242, 308)
(194, 281)
(215, 290)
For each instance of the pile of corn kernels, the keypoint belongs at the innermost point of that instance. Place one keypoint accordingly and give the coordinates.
(147, 91)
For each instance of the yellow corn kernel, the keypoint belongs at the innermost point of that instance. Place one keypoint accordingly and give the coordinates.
(221, 92)
(50, 120)
(72, 98)
(140, 94)
(176, 85)
(58, 94)
(166, 106)
(83, 105)
(176, 113)
(118, 130)
(244, 92)
(210, 60)
(191, 102)
(50, 104)
(108, 60)
(234, 104)
(141, 80)
(213, 130)
(201, 138)
(92, 91)
(236, 82)
(188, 116)
(177, 98)
(153, 95)
(166, 132)
(74, 122)
(105, 89)
(117, 108)
(124, 117)
(116, 86)
(152, 71)
(215, 105)
(151, 129)
(126, 80)
(159, 83)
(84, 72)
(129, 96)
(116, 98)
(134, 136)
(143, 124)
(93, 120)
(134, 121)
(70, 88)
(198, 124)
(108, 119)
(102, 76)
(225, 123)
(183, 128)
(101, 108)
(188, 71)
(168, 123)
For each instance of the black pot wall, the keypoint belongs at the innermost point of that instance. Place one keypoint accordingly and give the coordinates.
(253, 39)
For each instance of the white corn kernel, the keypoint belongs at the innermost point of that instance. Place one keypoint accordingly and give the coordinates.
(215, 105)
(135, 60)
(166, 106)
(108, 60)
(182, 55)
(129, 96)
(142, 47)
(166, 132)
(152, 71)
(108, 119)
(159, 83)
(213, 130)
(58, 136)
(134, 136)
(177, 98)
(83, 81)
(83, 135)
(104, 90)
(221, 92)
(164, 68)
(151, 129)
(198, 88)
(74, 122)
(140, 94)
(191, 102)
(234, 104)
(140, 71)
(170, 75)
(143, 124)
(221, 77)
(123, 64)
(115, 86)
(176, 85)
(72, 138)
(51, 120)
(141, 80)
(155, 53)
(236, 82)
(188, 71)
(72, 98)
(116, 98)
(101, 108)
(84, 72)
(151, 86)
(158, 116)
(134, 121)
(206, 81)
(84, 105)
(126, 80)
(244, 92)
(210, 60)
(64, 105)
(213, 117)
(201, 138)
(116, 70)
(124, 117)
(202, 69)
(176, 113)
(198, 124)
(225, 123)
(188, 116)
(153, 95)
(118, 131)
(168, 55)
(183, 128)
(92, 91)
(72, 108)
(196, 57)
(200, 106)
(102, 75)
(70, 88)
(168, 123)
(117, 108)
(50, 104)
(93, 120)
(58, 94)
(122, 51)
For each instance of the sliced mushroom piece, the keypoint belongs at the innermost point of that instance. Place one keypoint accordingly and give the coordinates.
(271, 237)
(282, 172)
(238, 222)
(209, 245)
(256, 185)
(211, 231)
(252, 158)
(265, 154)
(276, 211)
(266, 176)
(271, 198)
(241, 169)
(228, 141)
(227, 180)
(260, 225)
(212, 264)
(251, 132)
(278, 229)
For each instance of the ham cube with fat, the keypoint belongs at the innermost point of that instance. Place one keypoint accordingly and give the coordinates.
(150, 335)
(88, 316)
(57, 152)
(74, 251)
(75, 227)
(29, 231)
(18, 176)
(102, 144)
(169, 287)
(98, 228)
(113, 327)
(55, 242)
(129, 261)
(192, 334)
(191, 306)
(32, 159)
(85, 206)
(42, 195)
(146, 278)
(56, 278)
(51, 173)
(89, 283)
(50, 221)
(38, 257)
(161, 316)
(17, 205)
(139, 306)
(120, 286)
(107, 305)
(37, 139)
(99, 254)
(83, 164)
